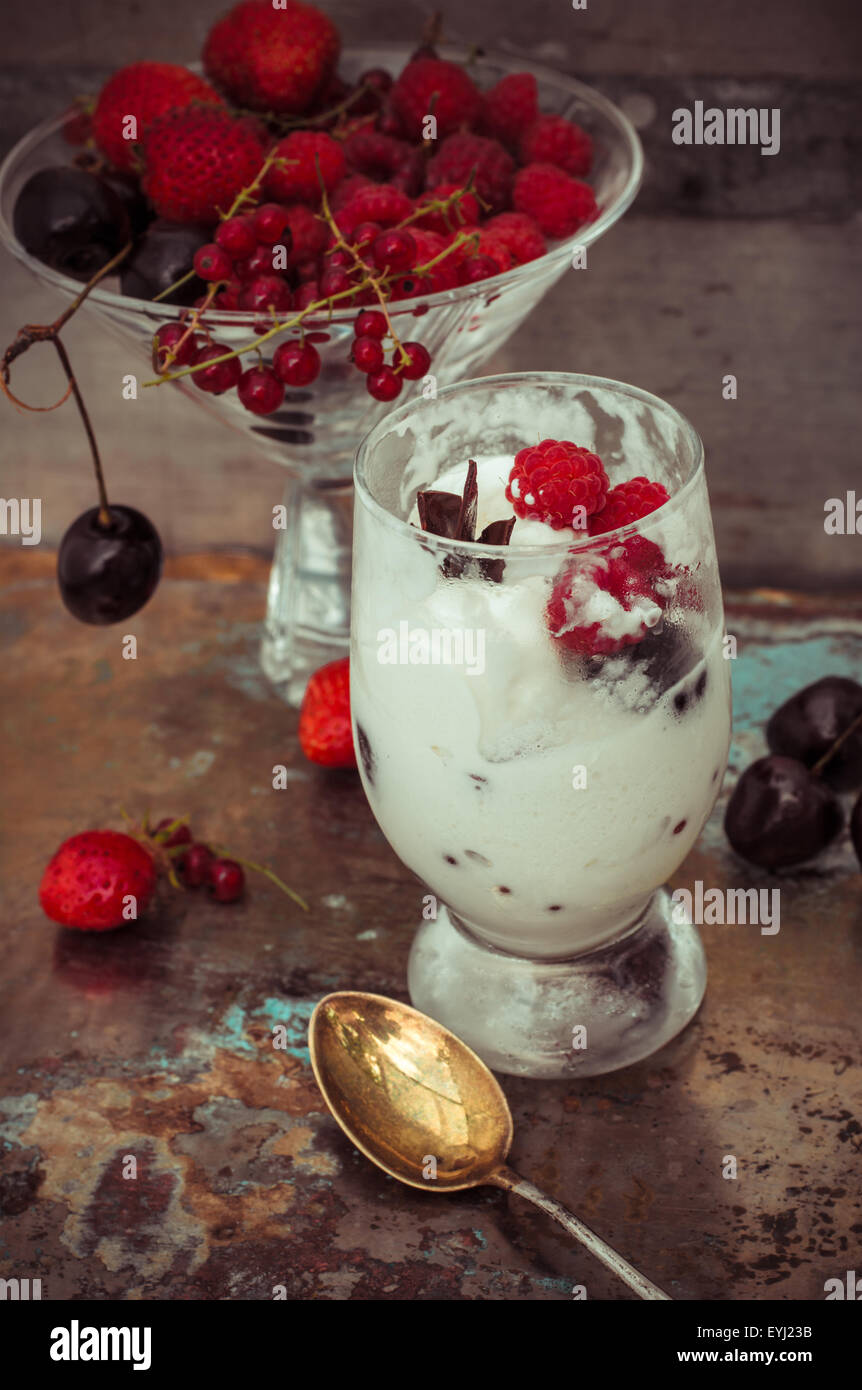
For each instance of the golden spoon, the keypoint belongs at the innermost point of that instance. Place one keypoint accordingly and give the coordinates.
(416, 1101)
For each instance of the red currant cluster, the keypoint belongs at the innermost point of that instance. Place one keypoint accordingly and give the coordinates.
(198, 866)
(410, 361)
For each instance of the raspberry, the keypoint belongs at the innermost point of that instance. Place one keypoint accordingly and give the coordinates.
(349, 185)
(434, 87)
(429, 245)
(628, 502)
(519, 233)
(600, 604)
(297, 179)
(197, 161)
(492, 168)
(510, 107)
(145, 91)
(272, 59)
(382, 157)
(375, 202)
(554, 140)
(558, 203)
(549, 480)
(461, 213)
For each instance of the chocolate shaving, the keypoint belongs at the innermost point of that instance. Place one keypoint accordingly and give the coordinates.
(467, 515)
(439, 512)
(454, 518)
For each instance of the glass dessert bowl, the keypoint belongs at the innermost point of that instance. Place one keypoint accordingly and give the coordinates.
(314, 434)
(542, 727)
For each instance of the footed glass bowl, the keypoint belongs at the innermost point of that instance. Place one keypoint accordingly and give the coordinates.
(315, 433)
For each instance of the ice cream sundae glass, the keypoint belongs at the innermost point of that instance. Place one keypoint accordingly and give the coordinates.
(541, 707)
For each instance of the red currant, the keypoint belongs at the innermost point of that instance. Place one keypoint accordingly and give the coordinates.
(306, 294)
(236, 236)
(384, 385)
(165, 341)
(406, 286)
(367, 354)
(271, 221)
(266, 292)
(181, 836)
(212, 263)
(478, 268)
(420, 360)
(219, 377)
(196, 863)
(226, 880)
(228, 298)
(366, 234)
(258, 263)
(260, 390)
(370, 324)
(296, 364)
(393, 251)
(334, 281)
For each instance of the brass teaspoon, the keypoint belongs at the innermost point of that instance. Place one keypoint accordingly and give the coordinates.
(421, 1105)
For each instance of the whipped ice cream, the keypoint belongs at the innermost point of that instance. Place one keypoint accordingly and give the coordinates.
(545, 797)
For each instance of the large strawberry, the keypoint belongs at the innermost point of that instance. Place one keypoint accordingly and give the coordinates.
(91, 878)
(197, 161)
(324, 720)
(271, 59)
(145, 91)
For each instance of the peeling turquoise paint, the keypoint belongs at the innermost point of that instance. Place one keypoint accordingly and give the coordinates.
(294, 1014)
(766, 674)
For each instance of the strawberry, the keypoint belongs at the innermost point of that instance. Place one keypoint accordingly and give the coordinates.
(271, 59)
(197, 161)
(324, 719)
(91, 875)
(145, 91)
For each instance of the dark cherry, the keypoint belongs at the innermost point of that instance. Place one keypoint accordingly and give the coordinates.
(70, 220)
(856, 827)
(806, 726)
(107, 573)
(128, 190)
(781, 814)
(226, 880)
(164, 253)
(196, 866)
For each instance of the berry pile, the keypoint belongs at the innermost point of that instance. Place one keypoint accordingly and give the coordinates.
(784, 809)
(275, 187)
(102, 879)
(604, 599)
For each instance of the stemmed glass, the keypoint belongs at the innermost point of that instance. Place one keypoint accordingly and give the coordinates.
(543, 792)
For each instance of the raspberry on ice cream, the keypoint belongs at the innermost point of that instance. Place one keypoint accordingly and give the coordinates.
(549, 481)
(600, 604)
(628, 502)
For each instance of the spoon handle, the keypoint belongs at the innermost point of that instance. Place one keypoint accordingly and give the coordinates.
(513, 1182)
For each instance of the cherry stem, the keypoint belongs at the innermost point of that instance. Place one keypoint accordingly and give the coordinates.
(104, 516)
(43, 333)
(818, 767)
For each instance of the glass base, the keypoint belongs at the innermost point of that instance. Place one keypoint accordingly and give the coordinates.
(584, 1016)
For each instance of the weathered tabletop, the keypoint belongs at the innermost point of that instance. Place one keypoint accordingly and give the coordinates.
(156, 1041)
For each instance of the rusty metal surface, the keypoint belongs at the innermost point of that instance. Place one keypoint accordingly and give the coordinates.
(156, 1041)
